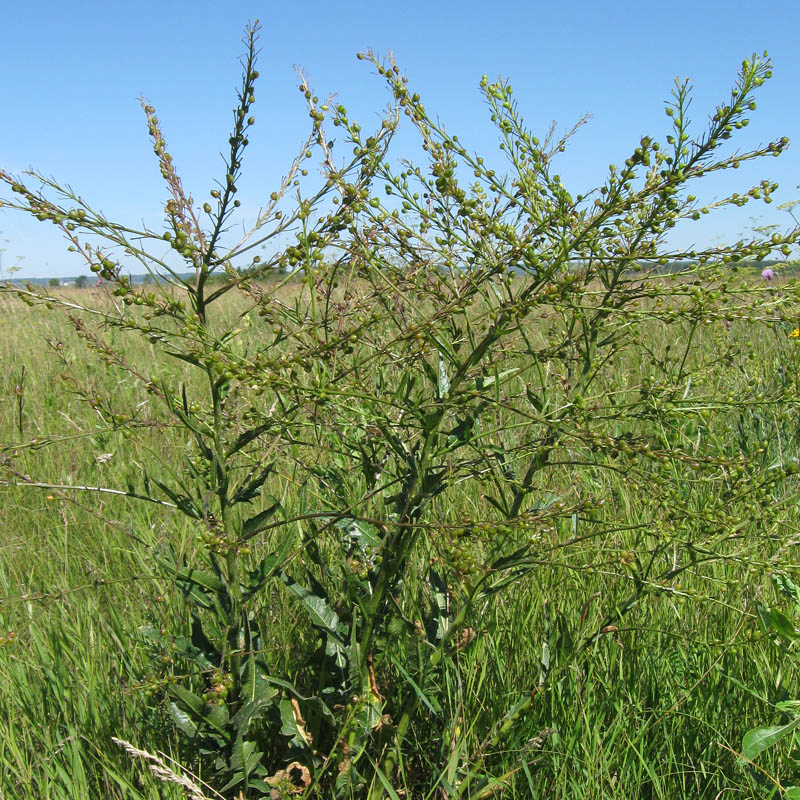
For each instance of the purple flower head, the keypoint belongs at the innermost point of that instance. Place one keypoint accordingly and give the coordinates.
(768, 274)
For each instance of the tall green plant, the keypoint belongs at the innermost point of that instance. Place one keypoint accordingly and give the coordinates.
(388, 434)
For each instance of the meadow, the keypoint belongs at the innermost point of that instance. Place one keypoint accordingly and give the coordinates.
(654, 707)
(473, 489)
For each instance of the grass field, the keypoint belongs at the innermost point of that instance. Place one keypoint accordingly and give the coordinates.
(654, 705)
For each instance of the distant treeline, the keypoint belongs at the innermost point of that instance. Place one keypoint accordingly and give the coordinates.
(673, 267)
(78, 280)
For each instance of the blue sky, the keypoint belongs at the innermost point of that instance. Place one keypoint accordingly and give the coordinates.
(72, 74)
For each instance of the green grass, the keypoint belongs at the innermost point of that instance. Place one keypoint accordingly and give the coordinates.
(653, 708)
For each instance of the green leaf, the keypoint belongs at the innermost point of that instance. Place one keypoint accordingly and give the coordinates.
(204, 656)
(362, 534)
(792, 792)
(565, 643)
(204, 588)
(206, 580)
(772, 618)
(152, 635)
(485, 381)
(216, 717)
(759, 739)
(367, 717)
(251, 712)
(533, 399)
(183, 357)
(248, 436)
(182, 501)
(787, 587)
(501, 505)
(444, 381)
(256, 686)
(384, 781)
(505, 465)
(462, 433)
(436, 623)
(250, 490)
(255, 524)
(188, 699)
(197, 426)
(314, 701)
(292, 725)
(354, 660)
(267, 568)
(189, 651)
(322, 616)
(182, 721)
(431, 420)
(202, 643)
(404, 388)
(244, 758)
(430, 702)
(544, 664)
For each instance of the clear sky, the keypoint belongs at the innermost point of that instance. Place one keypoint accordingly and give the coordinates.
(72, 74)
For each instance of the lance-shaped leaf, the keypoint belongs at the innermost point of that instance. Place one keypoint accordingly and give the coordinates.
(182, 720)
(256, 523)
(436, 623)
(203, 587)
(182, 501)
(322, 617)
(444, 382)
(759, 739)
(251, 488)
(268, 568)
(244, 759)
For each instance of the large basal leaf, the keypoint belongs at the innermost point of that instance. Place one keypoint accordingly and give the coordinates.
(244, 759)
(215, 717)
(218, 717)
(188, 699)
(250, 713)
(182, 720)
(322, 616)
(293, 725)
